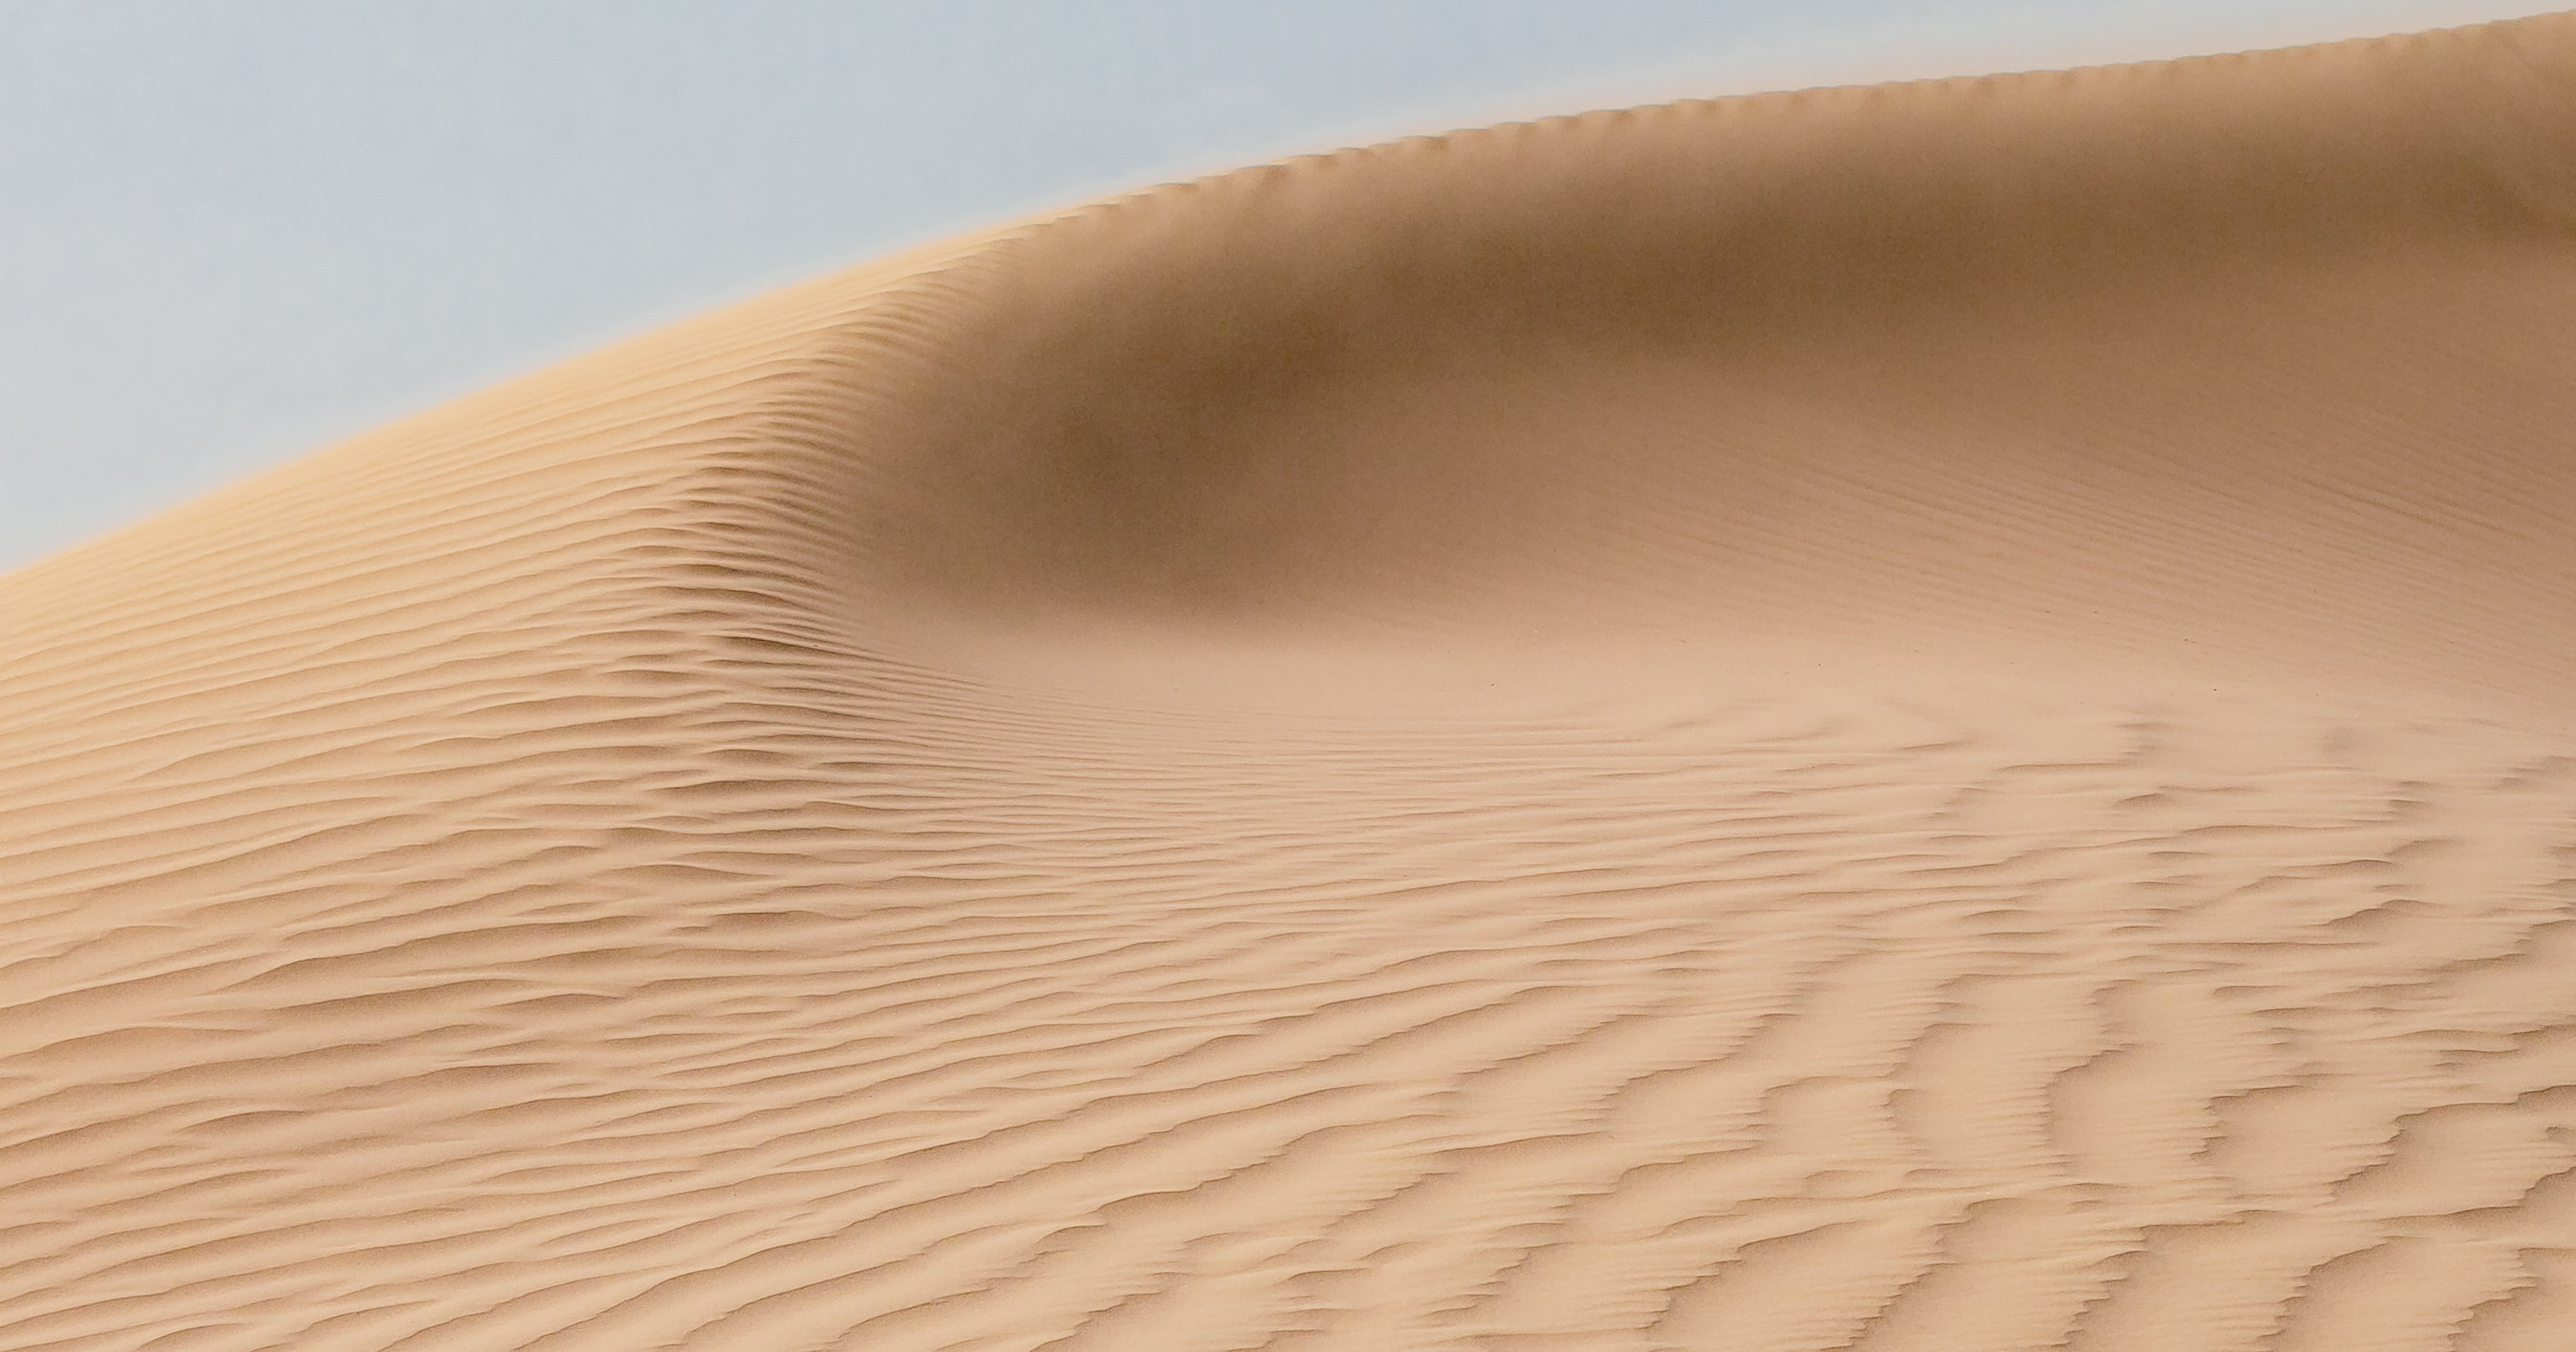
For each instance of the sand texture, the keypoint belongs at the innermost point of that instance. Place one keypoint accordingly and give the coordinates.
(1937, 718)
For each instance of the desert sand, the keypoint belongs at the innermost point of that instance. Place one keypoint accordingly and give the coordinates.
(1927, 717)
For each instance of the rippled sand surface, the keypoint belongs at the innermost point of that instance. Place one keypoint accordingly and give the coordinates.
(1938, 717)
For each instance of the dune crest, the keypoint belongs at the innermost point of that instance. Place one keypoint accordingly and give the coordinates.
(1925, 717)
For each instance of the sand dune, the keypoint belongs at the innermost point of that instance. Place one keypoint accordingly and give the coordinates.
(1930, 717)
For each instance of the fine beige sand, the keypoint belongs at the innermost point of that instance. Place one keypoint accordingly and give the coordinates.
(1928, 717)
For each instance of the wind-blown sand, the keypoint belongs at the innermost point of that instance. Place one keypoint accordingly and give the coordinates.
(1931, 717)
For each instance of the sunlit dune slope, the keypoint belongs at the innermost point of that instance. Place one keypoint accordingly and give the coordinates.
(1929, 717)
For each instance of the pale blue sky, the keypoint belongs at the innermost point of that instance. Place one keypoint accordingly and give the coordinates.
(232, 231)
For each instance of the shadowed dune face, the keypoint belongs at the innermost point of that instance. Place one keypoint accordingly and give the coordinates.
(2050, 359)
(1908, 719)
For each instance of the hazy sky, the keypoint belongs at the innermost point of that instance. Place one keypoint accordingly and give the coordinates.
(232, 232)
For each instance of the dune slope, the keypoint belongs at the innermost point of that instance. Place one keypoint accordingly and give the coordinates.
(1929, 717)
